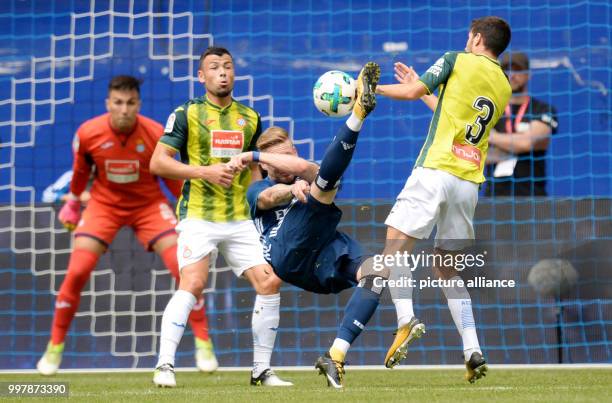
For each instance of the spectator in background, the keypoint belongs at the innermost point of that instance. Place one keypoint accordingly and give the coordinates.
(517, 157)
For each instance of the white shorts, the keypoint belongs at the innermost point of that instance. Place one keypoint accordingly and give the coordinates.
(434, 197)
(237, 241)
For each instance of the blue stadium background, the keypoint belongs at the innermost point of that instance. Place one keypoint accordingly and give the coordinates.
(285, 46)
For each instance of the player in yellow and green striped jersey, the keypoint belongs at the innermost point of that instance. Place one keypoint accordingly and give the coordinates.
(206, 134)
(213, 212)
(442, 190)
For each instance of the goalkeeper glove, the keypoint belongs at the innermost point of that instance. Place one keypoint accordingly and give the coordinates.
(70, 214)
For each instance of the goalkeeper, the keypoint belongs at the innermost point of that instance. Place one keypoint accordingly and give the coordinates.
(294, 211)
(119, 144)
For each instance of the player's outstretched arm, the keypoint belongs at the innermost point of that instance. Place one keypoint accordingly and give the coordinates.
(163, 164)
(287, 163)
(407, 75)
(409, 87)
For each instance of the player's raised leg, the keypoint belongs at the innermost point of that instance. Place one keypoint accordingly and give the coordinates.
(338, 155)
(83, 260)
(340, 152)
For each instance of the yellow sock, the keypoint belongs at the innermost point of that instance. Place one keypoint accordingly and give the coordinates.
(337, 354)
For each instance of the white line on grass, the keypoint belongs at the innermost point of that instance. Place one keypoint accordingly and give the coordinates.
(310, 368)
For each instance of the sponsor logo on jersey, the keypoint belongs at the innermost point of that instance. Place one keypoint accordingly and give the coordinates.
(467, 153)
(122, 171)
(210, 121)
(436, 69)
(226, 143)
(170, 123)
(106, 145)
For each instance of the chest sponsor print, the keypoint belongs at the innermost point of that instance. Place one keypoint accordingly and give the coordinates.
(226, 143)
(122, 171)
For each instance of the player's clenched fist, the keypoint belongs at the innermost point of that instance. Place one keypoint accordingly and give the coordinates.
(240, 161)
(70, 214)
(219, 174)
(300, 190)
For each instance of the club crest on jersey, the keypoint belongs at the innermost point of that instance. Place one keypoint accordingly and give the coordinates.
(140, 147)
(241, 121)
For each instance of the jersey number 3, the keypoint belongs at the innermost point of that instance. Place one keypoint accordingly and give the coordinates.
(475, 131)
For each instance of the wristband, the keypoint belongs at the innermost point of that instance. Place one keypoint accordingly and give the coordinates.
(255, 156)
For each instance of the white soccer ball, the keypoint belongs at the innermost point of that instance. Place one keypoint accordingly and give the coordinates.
(334, 93)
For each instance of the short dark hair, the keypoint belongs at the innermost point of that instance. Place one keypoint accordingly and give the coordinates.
(124, 83)
(495, 32)
(213, 50)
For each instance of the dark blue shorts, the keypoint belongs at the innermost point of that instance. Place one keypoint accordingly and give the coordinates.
(308, 252)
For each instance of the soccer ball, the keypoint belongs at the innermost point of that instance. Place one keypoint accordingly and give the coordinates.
(334, 93)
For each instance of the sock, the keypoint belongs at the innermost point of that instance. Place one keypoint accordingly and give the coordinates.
(354, 122)
(197, 318)
(173, 325)
(359, 310)
(266, 316)
(402, 296)
(460, 306)
(81, 264)
(337, 158)
(339, 349)
(404, 310)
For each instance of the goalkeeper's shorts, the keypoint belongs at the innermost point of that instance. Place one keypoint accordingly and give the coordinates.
(150, 223)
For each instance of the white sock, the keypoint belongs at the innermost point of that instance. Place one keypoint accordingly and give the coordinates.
(460, 306)
(174, 320)
(266, 316)
(341, 345)
(354, 122)
(404, 310)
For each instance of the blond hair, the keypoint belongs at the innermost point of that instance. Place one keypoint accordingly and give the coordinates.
(272, 136)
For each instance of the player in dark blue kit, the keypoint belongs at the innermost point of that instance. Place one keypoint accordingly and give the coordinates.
(294, 211)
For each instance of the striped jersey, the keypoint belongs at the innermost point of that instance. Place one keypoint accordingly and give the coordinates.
(206, 134)
(473, 92)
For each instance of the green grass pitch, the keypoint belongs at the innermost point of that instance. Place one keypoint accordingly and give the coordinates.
(510, 385)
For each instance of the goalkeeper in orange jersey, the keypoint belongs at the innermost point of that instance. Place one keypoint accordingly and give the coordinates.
(119, 144)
